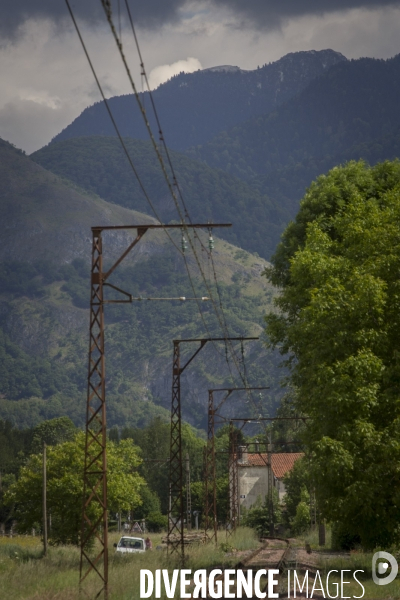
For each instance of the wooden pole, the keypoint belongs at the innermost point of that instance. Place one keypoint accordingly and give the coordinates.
(44, 501)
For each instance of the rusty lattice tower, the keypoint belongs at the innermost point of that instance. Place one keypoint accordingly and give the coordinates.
(94, 525)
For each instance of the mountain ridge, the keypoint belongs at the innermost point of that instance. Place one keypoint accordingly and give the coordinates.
(354, 102)
(193, 107)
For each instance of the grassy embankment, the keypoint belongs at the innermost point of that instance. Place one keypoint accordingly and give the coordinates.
(26, 575)
(361, 562)
(355, 561)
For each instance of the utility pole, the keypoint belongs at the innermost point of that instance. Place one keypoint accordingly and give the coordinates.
(44, 499)
(210, 496)
(188, 495)
(233, 482)
(270, 488)
(95, 461)
(233, 489)
(176, 516)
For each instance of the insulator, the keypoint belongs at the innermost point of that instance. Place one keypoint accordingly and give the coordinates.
(211, 243)
(183, 244)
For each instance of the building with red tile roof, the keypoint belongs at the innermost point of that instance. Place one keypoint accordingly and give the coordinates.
(252, 474)
(282, 462)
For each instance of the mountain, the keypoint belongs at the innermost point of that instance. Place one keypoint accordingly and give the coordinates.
(44, 296)
(256, 173)
(354, 103)
(98, 164)
(195, 107)
(349, 112)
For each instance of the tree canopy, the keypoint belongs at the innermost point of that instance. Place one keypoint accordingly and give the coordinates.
(65, 487)
(338, 269)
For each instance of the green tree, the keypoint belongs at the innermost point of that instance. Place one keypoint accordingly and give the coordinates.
(257, 516)
(52, 432)
(65, 487)
(338, 269)
(154, 441)
(150, 503)
(296, 480)
(301, 521)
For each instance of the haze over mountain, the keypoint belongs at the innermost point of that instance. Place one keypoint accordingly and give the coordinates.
(194, 107)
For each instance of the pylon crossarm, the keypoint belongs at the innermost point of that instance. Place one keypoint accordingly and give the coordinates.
(139, 236)
(203, 343)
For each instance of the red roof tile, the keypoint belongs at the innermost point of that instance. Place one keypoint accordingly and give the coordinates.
(281, 462)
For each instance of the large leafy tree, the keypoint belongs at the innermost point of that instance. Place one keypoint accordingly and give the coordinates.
(338, 269)
(52, 432)
(65, 487)
(154, 442)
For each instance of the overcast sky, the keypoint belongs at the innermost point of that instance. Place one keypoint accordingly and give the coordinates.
(46, 81)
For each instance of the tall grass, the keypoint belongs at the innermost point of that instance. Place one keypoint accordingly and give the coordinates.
(26, 575)
(312, 537)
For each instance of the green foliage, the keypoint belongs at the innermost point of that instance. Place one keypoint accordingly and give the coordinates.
(209, 193)
(55, 431)
(198, 498)
(65, 487)
(338, 267)
(23, 376)
(156, 522)
(296, 481)
(154, 441)
(149, 504)
(342, 539)
(302, 520)
(257, 517)
(14, 445)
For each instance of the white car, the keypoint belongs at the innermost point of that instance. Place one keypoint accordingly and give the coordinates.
(130, 544)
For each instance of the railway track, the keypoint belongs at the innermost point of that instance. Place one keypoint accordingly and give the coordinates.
(271, 555)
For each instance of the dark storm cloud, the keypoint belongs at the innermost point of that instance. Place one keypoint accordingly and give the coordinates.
(148, 13)
(153, 13)
(271, 13)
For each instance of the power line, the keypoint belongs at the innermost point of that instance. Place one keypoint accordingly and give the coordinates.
(222, 322)
(114, 122)
(128, 155)
(108, 12)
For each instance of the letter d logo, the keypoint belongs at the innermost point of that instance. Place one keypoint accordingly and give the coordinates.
(383, 567)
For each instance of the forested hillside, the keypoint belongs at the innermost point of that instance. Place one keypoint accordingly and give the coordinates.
(256, 172)
(98, 164)
(354, 103)
(194, 107)
(44, 297)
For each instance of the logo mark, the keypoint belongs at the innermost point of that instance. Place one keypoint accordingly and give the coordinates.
(382, 568)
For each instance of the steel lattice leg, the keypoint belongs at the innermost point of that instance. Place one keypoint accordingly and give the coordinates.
(210, 497)
(94, 514)
(232, 488)
(176, 512)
